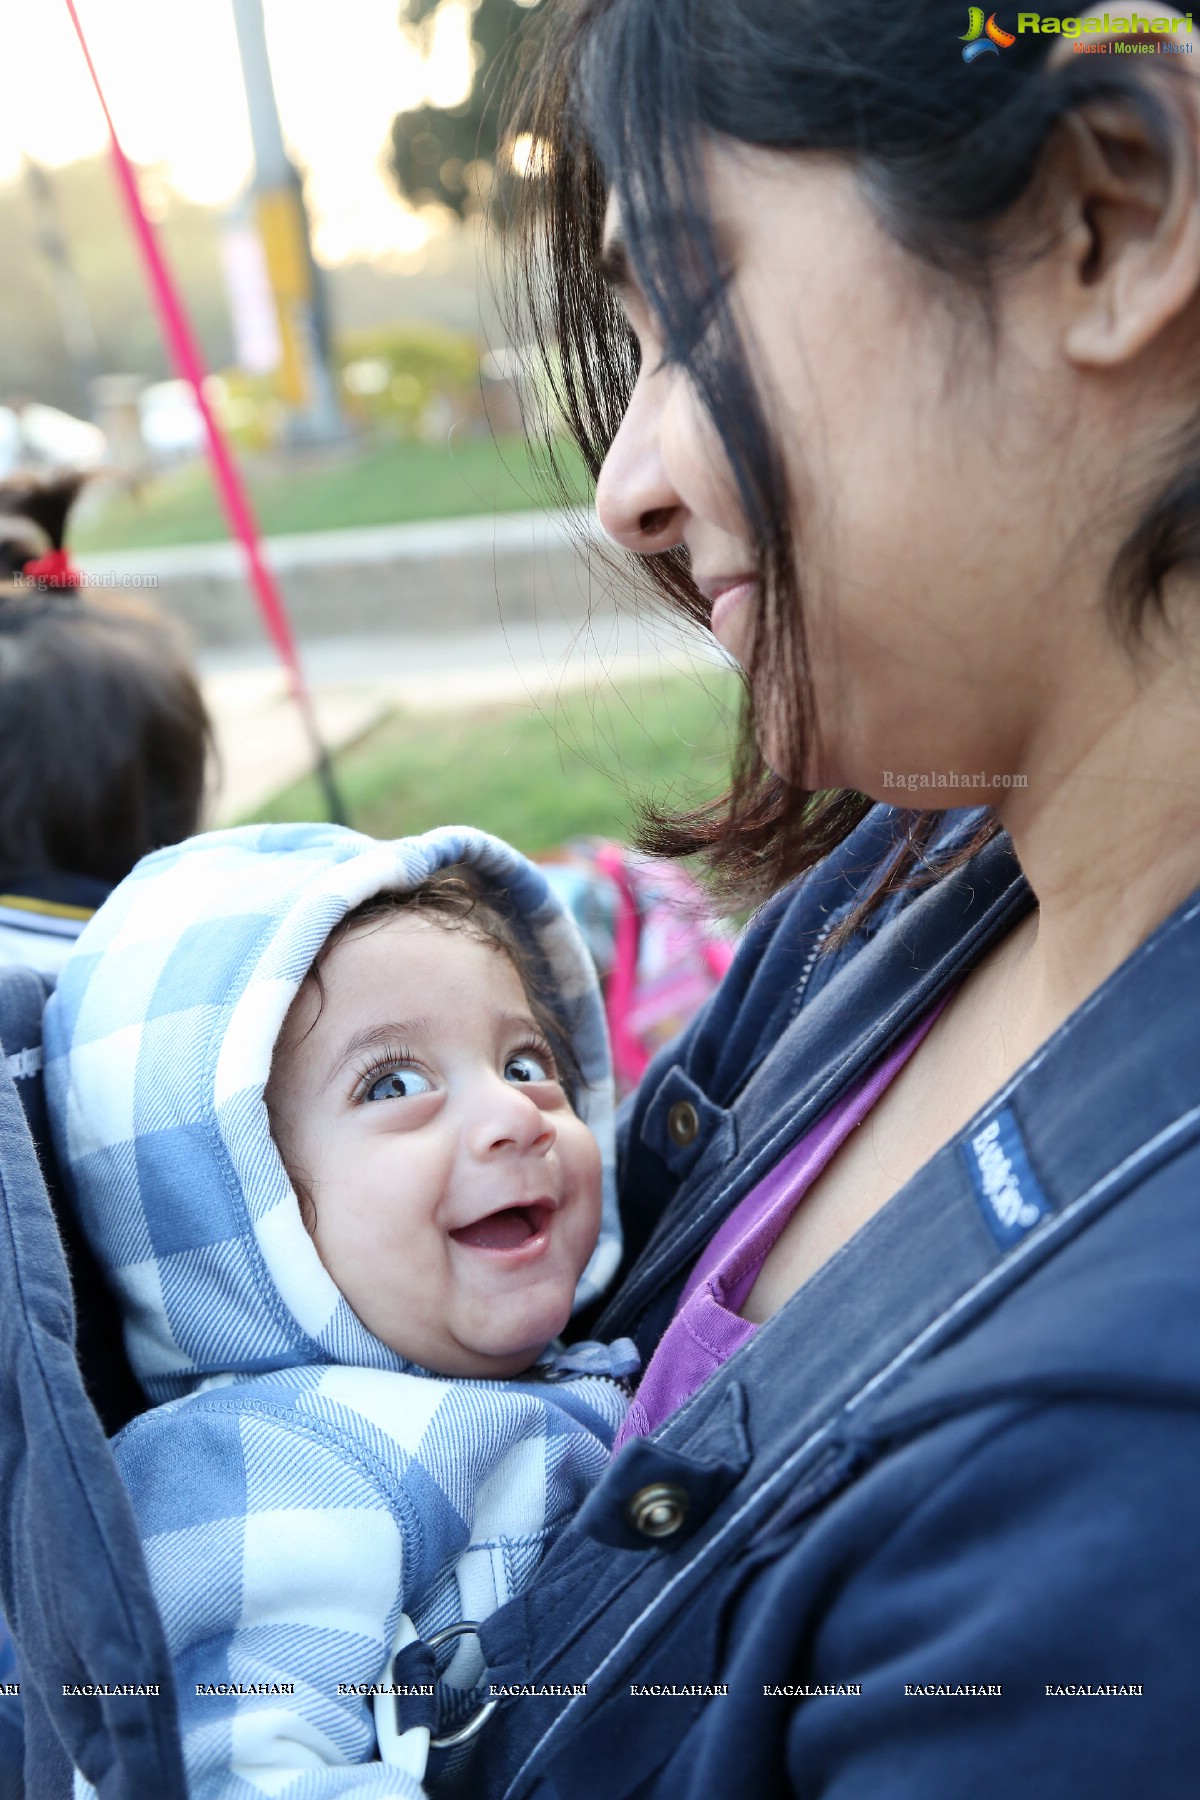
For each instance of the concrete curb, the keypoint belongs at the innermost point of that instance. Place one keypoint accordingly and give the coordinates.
(444, 575)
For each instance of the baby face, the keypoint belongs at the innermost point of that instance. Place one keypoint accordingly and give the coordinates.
(457, 1195)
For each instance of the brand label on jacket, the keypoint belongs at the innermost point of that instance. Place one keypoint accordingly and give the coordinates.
(1005, 1185)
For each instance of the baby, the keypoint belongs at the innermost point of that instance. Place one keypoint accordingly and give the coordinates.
(336, 1117)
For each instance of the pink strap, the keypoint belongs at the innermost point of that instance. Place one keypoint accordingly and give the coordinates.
(185, 354)
(629, 1057)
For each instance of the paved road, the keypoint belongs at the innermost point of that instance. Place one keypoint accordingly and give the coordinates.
(356, 680)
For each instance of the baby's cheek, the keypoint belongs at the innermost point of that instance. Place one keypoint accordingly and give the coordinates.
(591, 1188)
(585, 1154)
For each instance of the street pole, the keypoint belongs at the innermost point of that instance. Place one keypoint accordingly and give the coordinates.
(306, 378)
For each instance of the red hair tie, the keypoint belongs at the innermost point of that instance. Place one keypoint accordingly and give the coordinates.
(53, 570)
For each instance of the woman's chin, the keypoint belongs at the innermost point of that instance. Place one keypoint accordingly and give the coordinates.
(774, 750)
(803, 773)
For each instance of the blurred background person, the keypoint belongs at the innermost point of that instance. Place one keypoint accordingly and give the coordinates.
(104, 736)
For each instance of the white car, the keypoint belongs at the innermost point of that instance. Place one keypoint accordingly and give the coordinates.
(170, 420)
(46, 437)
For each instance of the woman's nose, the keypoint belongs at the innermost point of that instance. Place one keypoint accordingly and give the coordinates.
(511, 1121)
(635, 501)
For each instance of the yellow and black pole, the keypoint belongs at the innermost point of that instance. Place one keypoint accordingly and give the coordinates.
(306, 382)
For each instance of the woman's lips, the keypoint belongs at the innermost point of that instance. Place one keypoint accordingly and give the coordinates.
(517, 1233)
(728, 599)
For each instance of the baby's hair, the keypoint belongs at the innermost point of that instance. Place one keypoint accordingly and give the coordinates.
(457, 898)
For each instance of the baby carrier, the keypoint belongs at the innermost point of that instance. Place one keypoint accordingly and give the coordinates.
(96, 1684)
(73, 1581)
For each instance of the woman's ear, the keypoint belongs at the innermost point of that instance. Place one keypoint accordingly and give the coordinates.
(1127, 196)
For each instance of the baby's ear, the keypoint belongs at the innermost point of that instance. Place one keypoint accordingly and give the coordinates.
(302, 1187)
(308, 1211)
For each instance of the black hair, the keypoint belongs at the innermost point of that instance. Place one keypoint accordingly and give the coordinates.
(622, 96)
(458, 898)
(105, 738)
(34, 510)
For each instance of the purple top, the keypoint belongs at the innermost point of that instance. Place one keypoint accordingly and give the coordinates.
(708, 1327)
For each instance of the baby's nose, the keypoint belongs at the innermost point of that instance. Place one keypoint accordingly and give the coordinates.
(512, 1121)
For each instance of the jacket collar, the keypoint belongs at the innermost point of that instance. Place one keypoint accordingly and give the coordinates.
(887, 984)
(1107, 1101)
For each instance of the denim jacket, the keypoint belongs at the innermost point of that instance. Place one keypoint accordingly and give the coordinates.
(931, 1531)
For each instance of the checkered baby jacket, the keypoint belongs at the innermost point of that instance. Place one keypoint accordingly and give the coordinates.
(301, 1489)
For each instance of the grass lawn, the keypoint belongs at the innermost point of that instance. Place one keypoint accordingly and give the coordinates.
(383, 484)
(536, 779)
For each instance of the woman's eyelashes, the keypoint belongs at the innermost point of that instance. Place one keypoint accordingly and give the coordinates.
(665, 344)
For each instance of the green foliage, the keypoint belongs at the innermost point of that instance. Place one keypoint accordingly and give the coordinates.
(249, 408)
(536, 778)
(391, 375)
(440, 154)
(448, 154)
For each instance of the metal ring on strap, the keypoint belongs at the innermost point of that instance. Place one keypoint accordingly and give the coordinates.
(447, 1635)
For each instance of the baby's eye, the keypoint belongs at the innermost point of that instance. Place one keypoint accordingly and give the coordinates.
(399, 1084)
(527, 1067)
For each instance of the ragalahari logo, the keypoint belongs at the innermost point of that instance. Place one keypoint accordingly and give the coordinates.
(982, 39)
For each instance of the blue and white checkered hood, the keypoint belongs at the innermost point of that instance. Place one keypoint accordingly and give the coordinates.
(158, 1044)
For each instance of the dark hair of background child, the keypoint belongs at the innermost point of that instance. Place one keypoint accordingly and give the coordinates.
(104, 737)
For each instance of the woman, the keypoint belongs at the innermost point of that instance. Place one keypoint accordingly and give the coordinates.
(889, 365)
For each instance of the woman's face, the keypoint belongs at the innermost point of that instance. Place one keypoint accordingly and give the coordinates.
(938, 500)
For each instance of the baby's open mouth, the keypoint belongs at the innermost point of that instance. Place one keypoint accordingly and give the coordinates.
(507, 1229)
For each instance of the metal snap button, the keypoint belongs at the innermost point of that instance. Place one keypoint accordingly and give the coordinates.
(683, 1124)
(659, 1510)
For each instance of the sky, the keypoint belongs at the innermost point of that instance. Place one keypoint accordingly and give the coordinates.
(172, 79)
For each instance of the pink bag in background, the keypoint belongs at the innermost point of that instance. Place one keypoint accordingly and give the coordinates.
(658, 946)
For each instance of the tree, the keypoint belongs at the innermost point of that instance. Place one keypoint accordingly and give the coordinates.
(448, 154)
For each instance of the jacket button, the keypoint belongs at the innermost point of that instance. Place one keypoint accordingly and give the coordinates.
(683, 1124)
(659, 1510)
